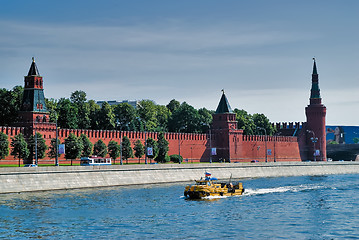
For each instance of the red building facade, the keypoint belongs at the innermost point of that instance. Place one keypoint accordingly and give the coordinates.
(224, 142)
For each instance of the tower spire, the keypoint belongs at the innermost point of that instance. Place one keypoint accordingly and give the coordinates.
(223, 106)
(315, 67)
(315, 91)
(33, 71)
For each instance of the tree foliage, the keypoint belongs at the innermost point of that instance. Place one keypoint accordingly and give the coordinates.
(19, 147)
(146, 110)
(124, 114)
(162, 145)
(262, 122)
(10, 102)
(139, 149)
(100, 149)
(52, 149)
(87, 146)
(78, 99)
(106, 118)
(4, 145)
(41, 146)
(185, 119)
(67, 114)
(245, 122)
(73, 147)
(114, 150)
(176, 158)
(173, 105)
(126, 148)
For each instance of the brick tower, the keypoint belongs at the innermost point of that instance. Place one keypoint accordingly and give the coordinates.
(315, 127)
(33, 112)
(224, 122)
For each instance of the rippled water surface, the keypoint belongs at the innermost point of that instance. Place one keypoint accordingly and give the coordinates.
(272, 208)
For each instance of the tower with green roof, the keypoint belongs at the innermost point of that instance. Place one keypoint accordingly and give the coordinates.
(224, 129)
(315, 127)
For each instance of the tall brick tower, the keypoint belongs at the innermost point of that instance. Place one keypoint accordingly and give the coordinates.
(33, 112)
(315, 128)
(224, 122)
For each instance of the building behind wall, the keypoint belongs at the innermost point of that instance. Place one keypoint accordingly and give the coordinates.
(295, 142)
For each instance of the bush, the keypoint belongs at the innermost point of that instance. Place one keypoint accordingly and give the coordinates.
(175, 158)
(162, 160)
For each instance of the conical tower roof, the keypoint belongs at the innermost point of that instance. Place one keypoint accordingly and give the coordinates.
(33, 71)
(315, 91)
(223, 106)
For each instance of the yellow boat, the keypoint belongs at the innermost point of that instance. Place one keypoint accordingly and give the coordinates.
(211, 187)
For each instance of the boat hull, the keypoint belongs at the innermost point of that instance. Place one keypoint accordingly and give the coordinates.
(208, 188)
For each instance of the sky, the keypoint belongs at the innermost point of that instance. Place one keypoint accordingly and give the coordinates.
(260, 52)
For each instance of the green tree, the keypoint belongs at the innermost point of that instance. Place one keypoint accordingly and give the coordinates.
(4, 145)
(51, 105)
(87, 146)
(41, 146)
(73, 147)
(19, 147)
(52, 149)
(94, 114)
(78, 98)
(245, 122)
(67, 114)
(139, 150)
(205, 119)
(162, 145)
(262, 122)
(185, 119)
(162, 117)
(107, 117)
(173, 105)
(151, 143)
(124, 115)
(10, 102)
(100, 148)
(147, 111)
(126, 149)
(114, 150)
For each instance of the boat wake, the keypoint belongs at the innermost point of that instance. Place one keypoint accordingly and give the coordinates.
(299, 188)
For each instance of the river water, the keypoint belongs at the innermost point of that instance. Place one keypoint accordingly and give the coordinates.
(324, 207)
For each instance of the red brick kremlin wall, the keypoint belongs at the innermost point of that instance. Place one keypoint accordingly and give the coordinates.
(192, 147)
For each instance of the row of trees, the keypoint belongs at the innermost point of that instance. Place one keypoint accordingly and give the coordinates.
(77, 112)
(77, 147)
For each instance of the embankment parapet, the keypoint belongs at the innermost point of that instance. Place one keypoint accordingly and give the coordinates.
(14, 180)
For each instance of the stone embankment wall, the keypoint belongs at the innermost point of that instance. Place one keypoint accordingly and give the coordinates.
(13, 180)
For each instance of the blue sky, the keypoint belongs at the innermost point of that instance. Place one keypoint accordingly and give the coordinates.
(260, 52)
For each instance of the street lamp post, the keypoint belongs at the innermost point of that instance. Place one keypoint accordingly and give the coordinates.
(314, 140)
(145, 144)
(179, 148)
(121, 162)
(265, 139)
(57, 145)
(210, 146)
(35, 147)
